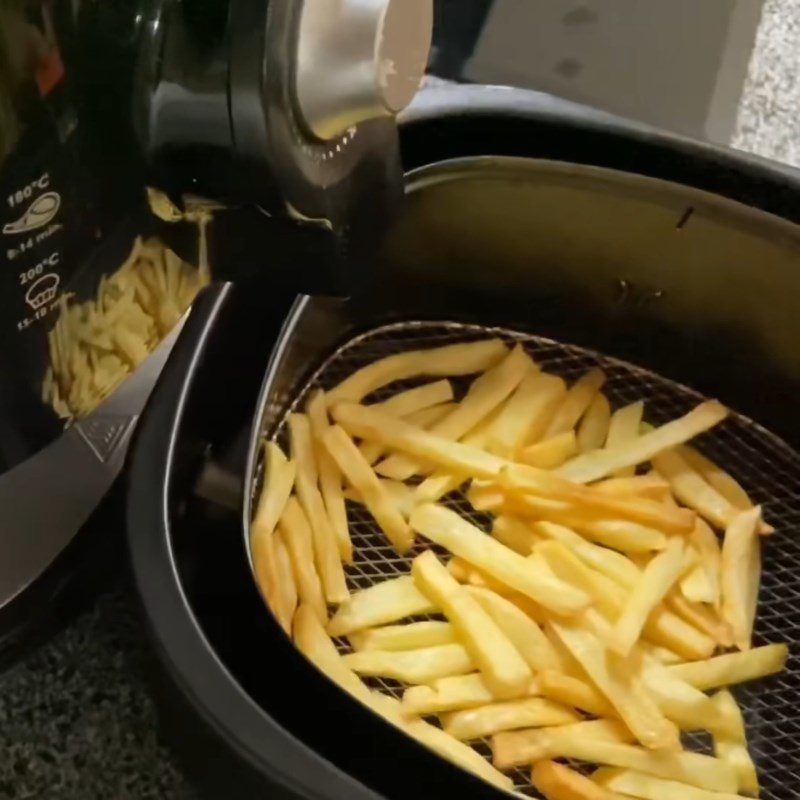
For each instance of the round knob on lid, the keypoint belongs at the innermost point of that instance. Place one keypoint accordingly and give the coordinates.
(359, 60)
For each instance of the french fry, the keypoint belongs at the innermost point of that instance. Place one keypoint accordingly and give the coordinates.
(500, 663)
(465, 573)
(440, 362)
(730, 743)
(420, 398)
(404, 637)
(296, 534)
(655, 582)
(279, 475)
(550, 453)
(484, 396)
(402, 495)
(621, 687)
(577, 401)
(520, 748)
(550, 394)
(521, 630)
(449, 530)
(623, 429)
(574, 692)
(741, 574)
(424, 665)
(394, 433)
(599, 463)
(593, 428)
(703, 617)
(532, 712)
(651, 486)
(557, 782)
(381, 604)
(453, 694)
(620, 534)
(515, 534)
(696, 586)
(708, 549)
(377, 500)
(648, 787)
(330, 476)
(434, 488)
(326, 547)
(724, 483)
(732, 668)
(510, 426)
(287, 588)
(661, 654)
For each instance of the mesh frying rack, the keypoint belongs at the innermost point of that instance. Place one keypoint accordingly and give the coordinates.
(765, 465)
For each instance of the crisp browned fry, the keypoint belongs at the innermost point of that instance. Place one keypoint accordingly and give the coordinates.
(521, 630)
(296, 534)
(732, 668)
(624, 535)
(483, 397)
(576, 402)
(574, 692)
(600, 463)
(514, 533)
(724, 483)
(326, 548)
(519, 748)
(741, 575)
(394, 433)
(448, 361)
(381, 604)
(404, 637)
(500, 663)
(648, 787)
(287, 586)
(454, 694)
(652, 587)
(621, 686)
(330, 476)
(557, 782)
(651, 486)
(424, 665)
(624, 428)
(707, 546)
(509, 428)
(353, 465)
(531, 712)
(593, 428)
(703, 617)
(447, 529)
(730, 743)
(550, 453)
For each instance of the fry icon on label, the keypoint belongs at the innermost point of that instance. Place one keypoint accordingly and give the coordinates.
(42, 291)
(41, 211)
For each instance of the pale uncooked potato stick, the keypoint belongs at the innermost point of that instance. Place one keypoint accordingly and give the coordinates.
(326, 547)
(624, 428)
(434, 488)
(593, 427)
(440, 362)
(576, 402)
(484, 396)
(598, 464)
(515, 533)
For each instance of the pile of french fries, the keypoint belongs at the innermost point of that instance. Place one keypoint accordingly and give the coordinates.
(607, 610)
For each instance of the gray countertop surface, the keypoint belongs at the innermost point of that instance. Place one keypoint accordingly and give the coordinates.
(76, 721)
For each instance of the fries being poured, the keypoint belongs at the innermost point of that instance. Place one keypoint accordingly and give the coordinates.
(604, 611)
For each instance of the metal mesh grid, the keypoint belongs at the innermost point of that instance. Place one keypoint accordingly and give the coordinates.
(765, 465)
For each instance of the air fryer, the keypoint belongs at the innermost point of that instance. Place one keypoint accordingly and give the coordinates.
(595, 237)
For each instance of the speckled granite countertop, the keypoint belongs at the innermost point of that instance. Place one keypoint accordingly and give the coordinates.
(76, 722)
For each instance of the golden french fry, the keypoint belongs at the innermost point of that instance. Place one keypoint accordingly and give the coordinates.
(651, 486)
(531, 712)
(593, 428)
(484, 396)
(557, 782)
(449, 361)
(449, 530)
(434, 488)
(520, 748)
(381, 604)
(730, 742)
(576, 402)
(661, 654)
(349, 459)
(741, 574)
(297, 536)
(620, 534)
(521, 630)
(330, 476)
(708, 549)
(648, 787)
(600, 463)
(287, 587)
(485, 496)
(465, 573)
(621, 687)
(394, 433)
(500, 663)
(402, 495)
(696, 586)
(550, 453)
(420, 398)
(509, 428)
(454, 694)
(326, 548)
(550, 393)
(574, 692)
(623, 429)
(404, 637)
(724, 483)
(652, 587)
(515, 534)
(732, 668)
(424, 665)
(703, 617)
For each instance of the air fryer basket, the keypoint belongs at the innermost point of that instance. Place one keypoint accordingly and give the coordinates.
(657, 286)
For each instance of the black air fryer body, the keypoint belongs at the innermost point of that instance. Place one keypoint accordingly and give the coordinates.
(520, 210)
